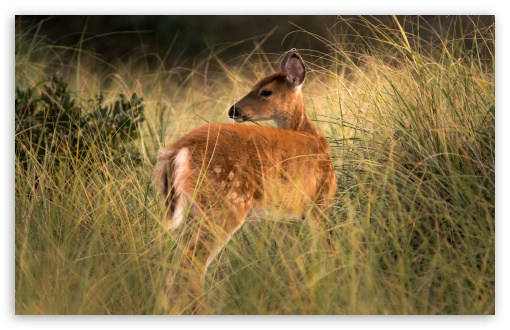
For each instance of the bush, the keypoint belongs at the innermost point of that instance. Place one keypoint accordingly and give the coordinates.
(49, 121)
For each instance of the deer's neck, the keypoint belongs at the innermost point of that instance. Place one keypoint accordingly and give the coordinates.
(299, 121)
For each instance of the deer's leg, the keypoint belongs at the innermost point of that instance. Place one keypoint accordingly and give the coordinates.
(318, 219)
(204, 239)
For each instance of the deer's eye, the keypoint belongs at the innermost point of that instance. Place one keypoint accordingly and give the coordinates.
(266, 93)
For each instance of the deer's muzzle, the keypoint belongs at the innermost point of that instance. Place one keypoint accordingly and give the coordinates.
(236, 114)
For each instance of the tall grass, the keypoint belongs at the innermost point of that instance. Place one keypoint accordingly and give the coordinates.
(412, 135)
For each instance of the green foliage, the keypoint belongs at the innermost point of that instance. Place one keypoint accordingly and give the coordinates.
(49, 121)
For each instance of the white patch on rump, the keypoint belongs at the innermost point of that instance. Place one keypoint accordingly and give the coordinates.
(181, 163)
(178, 215)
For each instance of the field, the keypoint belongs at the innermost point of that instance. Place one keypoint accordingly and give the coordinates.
(412, 131)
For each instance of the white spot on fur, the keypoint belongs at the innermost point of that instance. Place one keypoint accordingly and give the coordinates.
(231, 175)
(217, 169)
(237, 199)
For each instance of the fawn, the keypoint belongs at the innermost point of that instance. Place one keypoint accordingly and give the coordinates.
(220, 172)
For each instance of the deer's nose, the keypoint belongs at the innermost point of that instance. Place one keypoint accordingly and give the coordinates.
(233, 112)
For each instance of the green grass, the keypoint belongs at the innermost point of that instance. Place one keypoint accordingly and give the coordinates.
(412, 135)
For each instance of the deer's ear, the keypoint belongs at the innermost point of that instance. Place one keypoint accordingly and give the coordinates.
(293, 65)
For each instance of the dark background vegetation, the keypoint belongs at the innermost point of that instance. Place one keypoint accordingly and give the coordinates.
(184, 40)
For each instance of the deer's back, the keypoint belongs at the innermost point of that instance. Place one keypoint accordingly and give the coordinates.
(254, 165)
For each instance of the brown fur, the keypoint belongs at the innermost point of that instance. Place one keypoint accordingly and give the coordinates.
(227, 170)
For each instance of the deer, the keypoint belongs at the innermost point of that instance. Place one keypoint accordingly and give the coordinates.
(214, 177)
